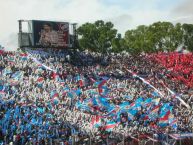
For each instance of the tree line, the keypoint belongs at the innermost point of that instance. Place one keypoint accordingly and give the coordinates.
(102, 37)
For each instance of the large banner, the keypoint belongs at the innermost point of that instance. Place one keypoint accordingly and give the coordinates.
(50, 34)
(181, 136)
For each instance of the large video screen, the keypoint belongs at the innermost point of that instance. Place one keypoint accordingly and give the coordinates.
(50, 34)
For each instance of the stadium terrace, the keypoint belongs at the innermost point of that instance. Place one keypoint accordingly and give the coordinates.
(51, 96)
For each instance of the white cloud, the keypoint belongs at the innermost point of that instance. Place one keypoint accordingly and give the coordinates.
(184, 8)
(121, 22)
(74, 10)
(183, 13)
(79, 11)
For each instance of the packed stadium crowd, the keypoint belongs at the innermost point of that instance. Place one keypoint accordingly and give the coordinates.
(48, 95)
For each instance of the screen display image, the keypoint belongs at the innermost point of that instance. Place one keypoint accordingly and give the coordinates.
(50, 34)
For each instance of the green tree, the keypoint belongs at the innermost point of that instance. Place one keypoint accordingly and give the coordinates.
(188, 36)
(162, 32)
(160, 36)
(118, 44)
(138, 40)
(97, 36)
(176, 35)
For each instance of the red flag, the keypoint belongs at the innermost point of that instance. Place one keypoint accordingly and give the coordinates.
(166, 117)
(100, 86)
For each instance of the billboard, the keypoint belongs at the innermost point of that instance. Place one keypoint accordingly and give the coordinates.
(50, 34)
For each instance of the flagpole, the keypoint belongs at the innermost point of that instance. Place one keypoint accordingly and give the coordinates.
(51, 141)
(73, 140)
(107, 140)
(180, 139)
(123, 139)
(153, 139)
(90, 140)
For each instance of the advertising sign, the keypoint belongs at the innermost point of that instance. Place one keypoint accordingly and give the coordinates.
(50, 34)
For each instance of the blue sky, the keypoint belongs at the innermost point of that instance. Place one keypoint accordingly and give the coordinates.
(130, 4)
(125, 14)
